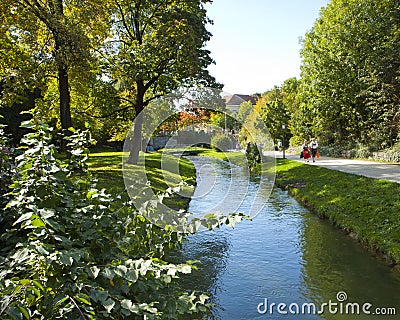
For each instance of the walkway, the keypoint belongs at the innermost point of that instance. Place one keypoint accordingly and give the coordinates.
(370, 169)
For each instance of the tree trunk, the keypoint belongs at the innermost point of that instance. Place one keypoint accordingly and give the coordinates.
(63, 89)
(62, 71)
(65, 99)
(137, 129)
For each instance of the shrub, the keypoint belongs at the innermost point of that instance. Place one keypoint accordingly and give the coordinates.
(7, 168)
(222, 142)
(253, 155)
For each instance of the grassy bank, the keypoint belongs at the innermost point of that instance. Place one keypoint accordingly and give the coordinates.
(231, 156)
(107, 169)
(368, 209)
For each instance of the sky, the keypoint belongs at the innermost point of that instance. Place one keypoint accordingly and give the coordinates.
(256, 43)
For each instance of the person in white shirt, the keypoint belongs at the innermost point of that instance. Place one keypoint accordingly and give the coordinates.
(314, 148)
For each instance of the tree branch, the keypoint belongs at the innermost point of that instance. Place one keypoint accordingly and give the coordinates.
(146, 102)
(132, 37)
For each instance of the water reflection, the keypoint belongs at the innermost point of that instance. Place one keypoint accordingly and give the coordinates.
(285, 255)
(333, 262)
(225, 187)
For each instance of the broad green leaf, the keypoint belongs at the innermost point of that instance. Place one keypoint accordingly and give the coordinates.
(83, 298)
(24, 217)
(132, 275)
(186, 269)
(109, 305)
(121, 270)
(38, 284)
(66, 259)
(129, 305)
(94, 271)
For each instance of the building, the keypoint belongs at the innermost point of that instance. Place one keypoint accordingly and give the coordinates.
(234, 101)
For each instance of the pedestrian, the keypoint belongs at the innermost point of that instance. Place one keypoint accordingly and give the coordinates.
(306, 151)
(314, 148)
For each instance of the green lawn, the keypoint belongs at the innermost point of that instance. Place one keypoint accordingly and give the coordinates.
(232, 156)
(107, 169)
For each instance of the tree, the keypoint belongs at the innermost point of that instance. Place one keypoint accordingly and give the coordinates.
(223, 120)
(60, 35)
(273, 111)
(245, 109)
(350, 72)
(160, 47)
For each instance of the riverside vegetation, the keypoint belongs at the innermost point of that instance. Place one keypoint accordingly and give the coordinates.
(71, 251)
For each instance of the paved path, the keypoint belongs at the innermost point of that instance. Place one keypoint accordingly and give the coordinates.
(370, 169)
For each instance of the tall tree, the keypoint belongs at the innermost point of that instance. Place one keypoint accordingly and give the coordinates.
(160, 47)
(350, 72)
(273, 111)
(59, 35)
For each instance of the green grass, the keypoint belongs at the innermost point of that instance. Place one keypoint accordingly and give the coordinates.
(107, 169)
(232, 156)
(368, 209)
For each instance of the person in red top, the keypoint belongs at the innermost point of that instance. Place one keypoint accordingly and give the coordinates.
(306, 151)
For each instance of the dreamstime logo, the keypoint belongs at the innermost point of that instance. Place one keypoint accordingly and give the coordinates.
(340, 306)
(158, 121)
(341, 296)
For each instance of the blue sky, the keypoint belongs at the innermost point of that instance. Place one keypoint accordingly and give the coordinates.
(255, 43)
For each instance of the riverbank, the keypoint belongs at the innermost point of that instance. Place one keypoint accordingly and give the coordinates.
(367, 209)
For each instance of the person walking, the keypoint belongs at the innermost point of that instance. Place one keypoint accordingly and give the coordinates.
(314, 148)
(306, 151)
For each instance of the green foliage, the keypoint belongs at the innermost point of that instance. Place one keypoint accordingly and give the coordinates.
(56, 39)
(244, 111)
(161, 45)
(274, 112)
(253, 155)
(7, 168)
(101, 62)
(222, 142)
(350, 73)
(161, 48)
(71, 251)
(222, 121)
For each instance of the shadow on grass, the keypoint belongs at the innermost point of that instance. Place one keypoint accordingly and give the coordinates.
(107, 169)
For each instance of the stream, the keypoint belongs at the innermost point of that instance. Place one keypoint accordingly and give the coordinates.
(285, 262)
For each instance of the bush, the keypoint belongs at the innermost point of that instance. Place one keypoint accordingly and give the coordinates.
(70, 251)
(222, 142)
(253, 155)
(362, 152)
(7, 168)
